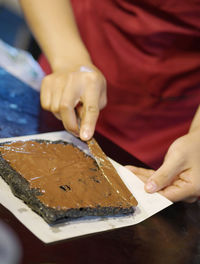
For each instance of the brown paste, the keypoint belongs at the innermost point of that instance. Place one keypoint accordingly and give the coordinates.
(65, 176)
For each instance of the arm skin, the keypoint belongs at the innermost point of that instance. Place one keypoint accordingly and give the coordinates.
(178, 178)
(54, 27)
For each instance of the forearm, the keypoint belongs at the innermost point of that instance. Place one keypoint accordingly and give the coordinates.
(196, 121)
(54, 27)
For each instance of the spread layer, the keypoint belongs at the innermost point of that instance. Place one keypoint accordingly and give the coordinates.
(65, 176)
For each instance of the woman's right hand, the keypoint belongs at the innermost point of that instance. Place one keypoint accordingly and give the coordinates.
(75, 95)
(72, 95)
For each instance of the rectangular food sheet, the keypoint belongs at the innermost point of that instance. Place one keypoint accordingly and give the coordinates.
(148, 204)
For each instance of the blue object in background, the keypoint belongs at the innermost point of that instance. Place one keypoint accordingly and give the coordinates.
(10, 26)
(19, 107)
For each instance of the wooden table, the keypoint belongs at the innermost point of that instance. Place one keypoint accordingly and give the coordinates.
(170, 237)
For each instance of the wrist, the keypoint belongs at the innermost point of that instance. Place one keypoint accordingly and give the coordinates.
(69, 61)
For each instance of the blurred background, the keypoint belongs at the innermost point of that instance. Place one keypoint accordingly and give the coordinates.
(15, 32)
(13, 28)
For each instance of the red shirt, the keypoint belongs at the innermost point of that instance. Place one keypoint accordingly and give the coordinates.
(149, 52)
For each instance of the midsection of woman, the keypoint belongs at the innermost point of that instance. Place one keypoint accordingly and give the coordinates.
(149, 52)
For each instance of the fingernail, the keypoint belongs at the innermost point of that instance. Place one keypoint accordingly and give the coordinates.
(151, 186)
(85, 134)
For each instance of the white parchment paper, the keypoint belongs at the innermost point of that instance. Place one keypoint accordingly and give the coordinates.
(148, 204)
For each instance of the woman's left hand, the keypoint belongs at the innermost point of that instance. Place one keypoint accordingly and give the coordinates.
(178, 178)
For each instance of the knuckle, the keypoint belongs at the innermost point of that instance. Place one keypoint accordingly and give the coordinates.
(92, 109)
(44, 104)
(54, 109)
(54, 80)
(92, 76)
(64, 106)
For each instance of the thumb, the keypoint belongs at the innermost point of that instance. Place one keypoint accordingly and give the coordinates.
(165, 175)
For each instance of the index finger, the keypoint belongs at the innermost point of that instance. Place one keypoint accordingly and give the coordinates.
(90, 111)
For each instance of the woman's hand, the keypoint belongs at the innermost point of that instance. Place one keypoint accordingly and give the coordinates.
(179, 176)
(75, 96)
(72, 95)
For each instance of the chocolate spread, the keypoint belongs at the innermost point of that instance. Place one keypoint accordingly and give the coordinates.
(110, 172)
(65, 176)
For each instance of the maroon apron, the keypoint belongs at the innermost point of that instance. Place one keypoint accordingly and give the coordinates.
(149, 52)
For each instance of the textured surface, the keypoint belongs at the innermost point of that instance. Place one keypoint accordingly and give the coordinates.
(31, 196)
(19, 107)
(171, 236)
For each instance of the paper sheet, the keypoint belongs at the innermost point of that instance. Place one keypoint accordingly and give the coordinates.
(148, 204)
